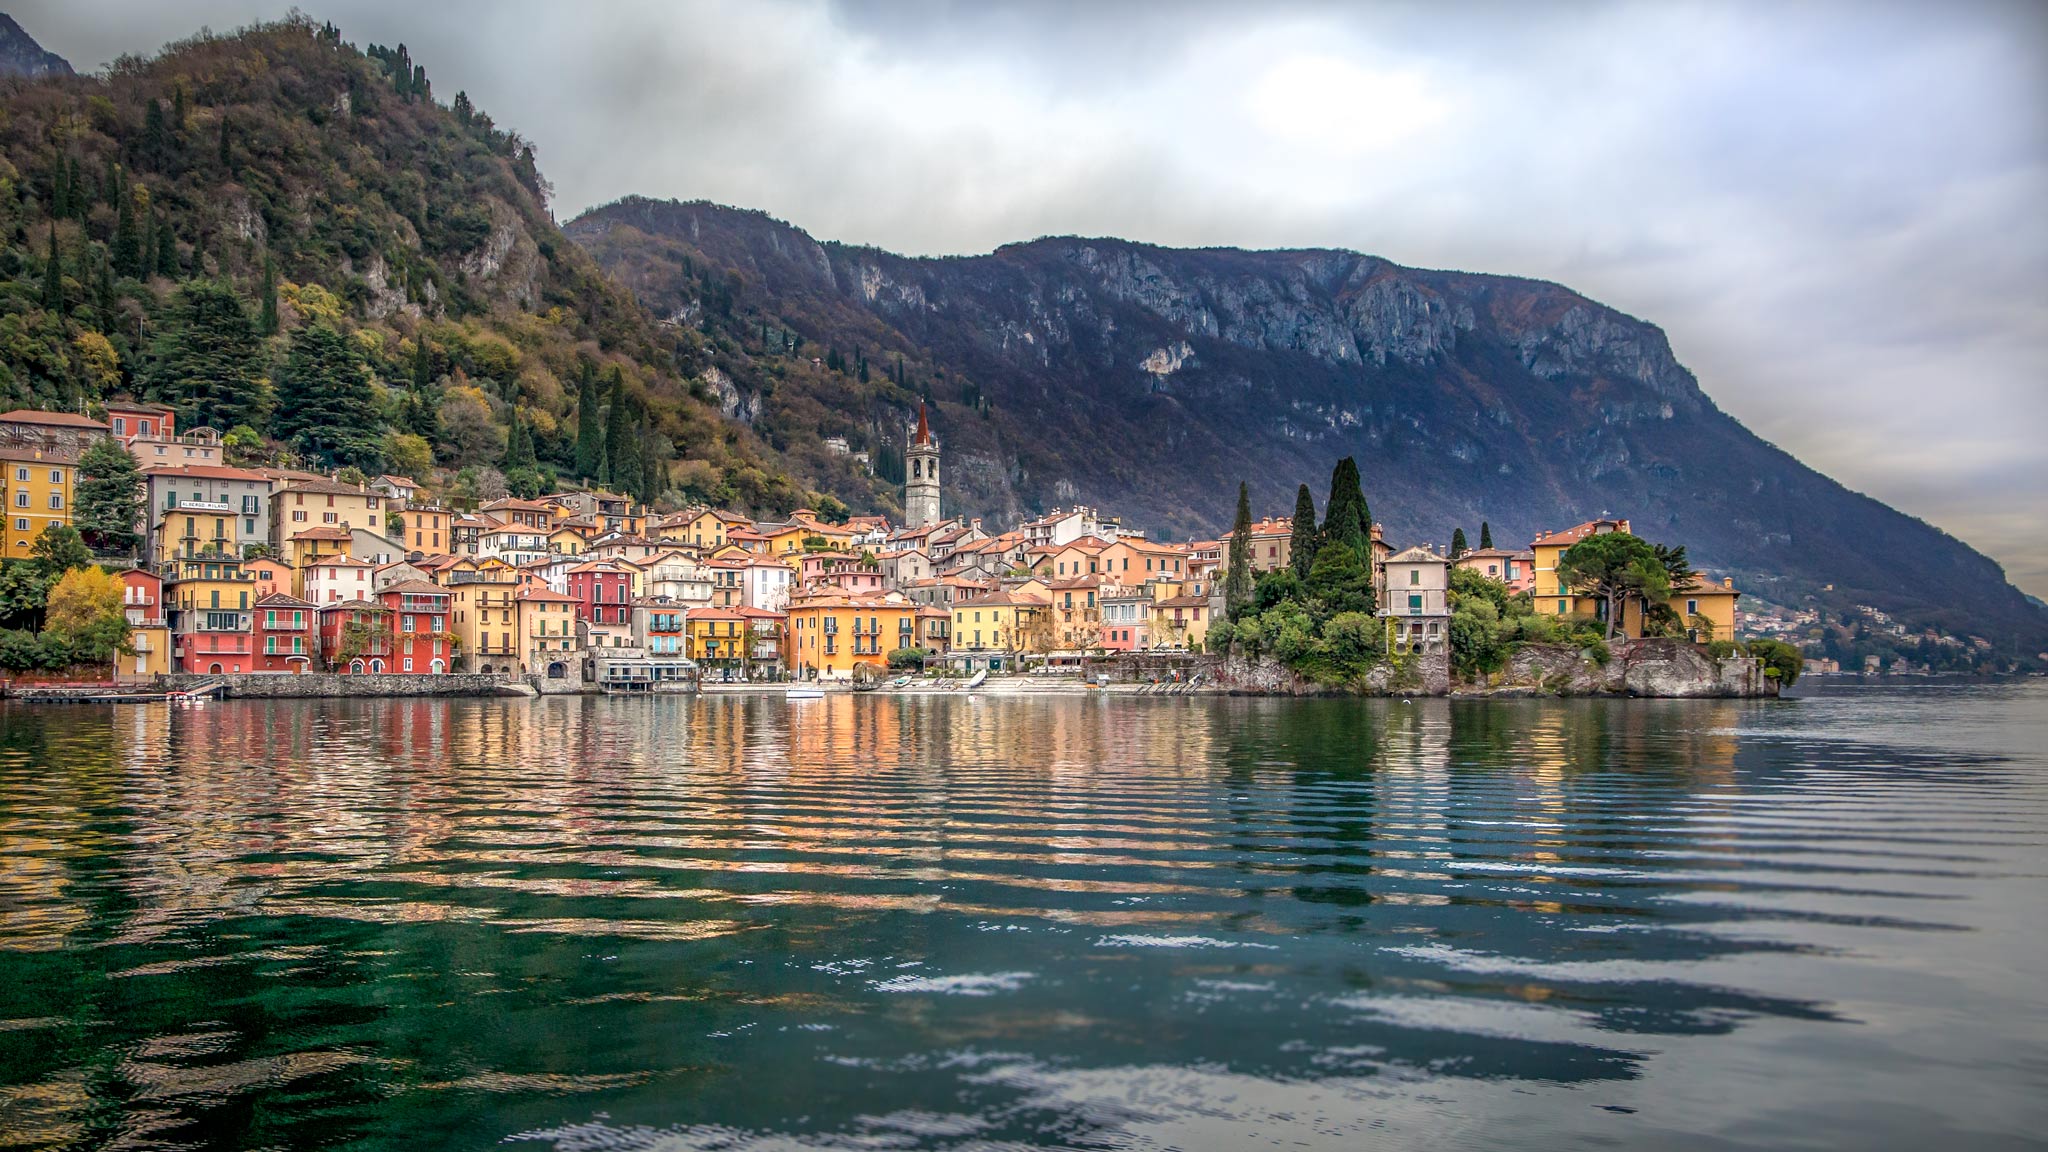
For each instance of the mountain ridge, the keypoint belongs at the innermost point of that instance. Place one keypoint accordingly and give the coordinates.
(1148, 379)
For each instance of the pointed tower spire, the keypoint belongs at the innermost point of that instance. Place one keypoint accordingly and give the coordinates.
(924, 428)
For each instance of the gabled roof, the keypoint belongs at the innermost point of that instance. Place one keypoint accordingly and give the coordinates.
(324, 532)
(353, 606)
(205, 472)
(340, 562)
(51, 419)
(282, 600)
(415, 587)
(1417, 554)
(543, 592)
(322, 486)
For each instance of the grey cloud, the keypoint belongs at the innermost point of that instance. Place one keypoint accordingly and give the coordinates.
(1833, 209)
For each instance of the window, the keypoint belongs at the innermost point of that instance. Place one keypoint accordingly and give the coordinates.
(21, 523)
(21, 499)
(1415, 576)
(21, 474)
(408, 663)
(1692, 607)
(298, 517)
(120, 426)
(56, 477)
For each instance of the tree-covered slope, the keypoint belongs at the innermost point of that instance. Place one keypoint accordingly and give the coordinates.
(194, 226)
(1148, 380)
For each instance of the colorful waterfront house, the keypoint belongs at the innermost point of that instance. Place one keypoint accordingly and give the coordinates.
(830, 633)
(676, 576)
(719, 640)
(1708, 610)
(547, 621)
(310, 546)
(149, 631)
(1180, 621)
(420, 641)
(1416, 605)
(567, 541)
(198, 528)
(286, 633)
(699, 527)
(1082, 557)
(25, 426)
(1126, 618)
(933, 630)
(427, 529)
(903, 566)
(1077, 618)
(604, 591)
(484, 614)
(1271, 543)
(1517, 570)
(400, 491)
(208, 599)
(36, 485)
(729, 580)
(1002, 622)
(1551, 595)
(335, 579)
(271, 575)
(850, 572)
(302, 505)
(355, 637)
(768, 639)
(1132, 561)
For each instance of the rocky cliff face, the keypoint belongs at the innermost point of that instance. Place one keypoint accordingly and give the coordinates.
(1150, 380)
(20, 55)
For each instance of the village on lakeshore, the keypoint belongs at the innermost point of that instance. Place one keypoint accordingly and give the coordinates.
(239, 571)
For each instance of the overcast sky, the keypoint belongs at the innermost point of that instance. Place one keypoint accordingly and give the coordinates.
(1839, 214)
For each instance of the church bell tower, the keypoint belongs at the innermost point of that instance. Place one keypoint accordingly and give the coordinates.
(921, 475)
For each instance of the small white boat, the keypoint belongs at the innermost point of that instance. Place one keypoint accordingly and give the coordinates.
(975, 680)
(803, 690)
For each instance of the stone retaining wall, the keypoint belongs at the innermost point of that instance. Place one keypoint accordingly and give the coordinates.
(1660, 668)
(312, 684)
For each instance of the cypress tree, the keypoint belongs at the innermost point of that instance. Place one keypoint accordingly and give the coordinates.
(1344, 513)
(422, 364)
(1237, 581)
(618, 445)
(166, 249)
(127, 239)
(156, 146)
(589, 432)
(267, 324)
(103, 294)
(1301, 547)
(652, 475)
(53, 276)
(1485, 535)
(518, 444)
(227, 151)
(1458, 543)
(60, 190)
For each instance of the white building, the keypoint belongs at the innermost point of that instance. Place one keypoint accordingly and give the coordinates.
(1416, 599)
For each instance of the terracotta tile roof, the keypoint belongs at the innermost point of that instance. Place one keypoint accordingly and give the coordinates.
(324, 532)
(51, 419)
(321, 486)
(283, 600)
(206, 472)
(542, 592)
(415, 587)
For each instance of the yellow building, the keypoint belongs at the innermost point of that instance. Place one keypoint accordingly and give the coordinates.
(37, 488)
(1708, 609)
(307, 504)
(302, 550)
(194, 529)
(1551, 596)
(703, 528)
(1180, 622)
(483, 615)
(426, 530)
(719, 637)
(547, 623)
(1004, 621)
(567, 541)
(832, 632)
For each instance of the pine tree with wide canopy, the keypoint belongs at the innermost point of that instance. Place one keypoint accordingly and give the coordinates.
(326, 407)
(207, 361)
(108, 500)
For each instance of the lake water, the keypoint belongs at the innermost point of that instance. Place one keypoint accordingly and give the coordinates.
(882, 923)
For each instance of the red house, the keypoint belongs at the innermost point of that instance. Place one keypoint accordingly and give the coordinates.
(287, 631)
(355, 637)
(418, 613)
(603, 592)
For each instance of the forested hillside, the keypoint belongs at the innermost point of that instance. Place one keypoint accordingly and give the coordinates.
(305, 246)
(1149, 380)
